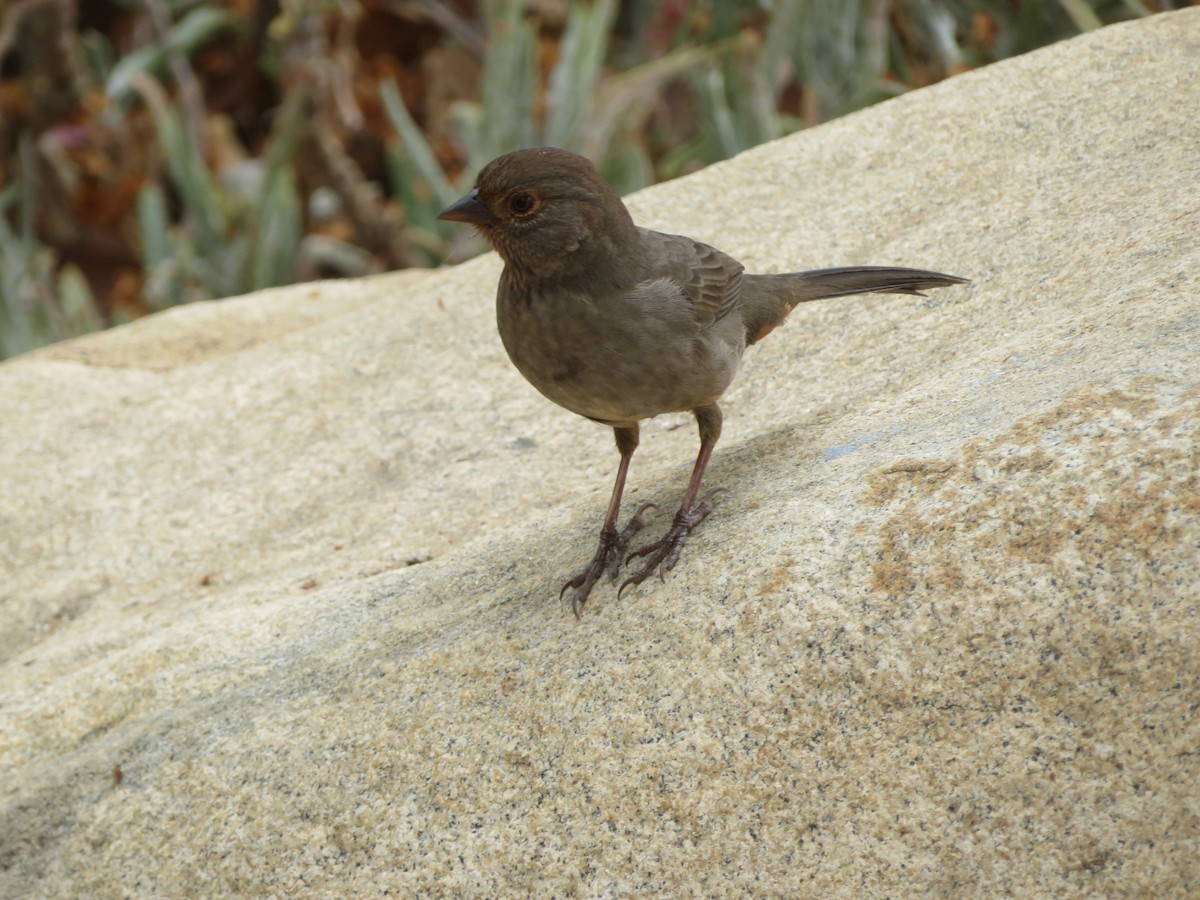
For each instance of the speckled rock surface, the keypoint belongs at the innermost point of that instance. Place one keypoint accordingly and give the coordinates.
(291, 562)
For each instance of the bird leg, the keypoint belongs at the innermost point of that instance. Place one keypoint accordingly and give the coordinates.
(612, 541)
(662, 555)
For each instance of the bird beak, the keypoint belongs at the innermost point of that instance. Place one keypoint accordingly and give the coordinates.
(468, 210)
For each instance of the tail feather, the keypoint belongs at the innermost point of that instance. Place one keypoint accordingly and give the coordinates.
(767, 299)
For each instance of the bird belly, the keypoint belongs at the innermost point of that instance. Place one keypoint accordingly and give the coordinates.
(616, 369)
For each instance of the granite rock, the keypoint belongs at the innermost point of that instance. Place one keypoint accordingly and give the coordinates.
(279, 575)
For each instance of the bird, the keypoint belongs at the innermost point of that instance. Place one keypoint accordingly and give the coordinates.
(618, 323)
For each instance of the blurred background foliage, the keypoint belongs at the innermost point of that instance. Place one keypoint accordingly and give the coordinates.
(155, 152)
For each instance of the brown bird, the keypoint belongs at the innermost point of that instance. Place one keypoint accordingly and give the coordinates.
(619, 323)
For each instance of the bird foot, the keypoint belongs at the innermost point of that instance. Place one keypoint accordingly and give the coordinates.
(608, 556)
(663, 554)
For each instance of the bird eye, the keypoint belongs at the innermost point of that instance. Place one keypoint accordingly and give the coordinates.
(522, 203)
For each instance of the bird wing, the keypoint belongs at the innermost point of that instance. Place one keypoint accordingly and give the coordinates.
(709, 279)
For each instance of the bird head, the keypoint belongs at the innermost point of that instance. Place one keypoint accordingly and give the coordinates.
(547, 212)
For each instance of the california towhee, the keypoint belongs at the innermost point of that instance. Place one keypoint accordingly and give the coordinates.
(618, 323)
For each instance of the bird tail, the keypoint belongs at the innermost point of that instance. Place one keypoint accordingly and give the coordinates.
(767, 299)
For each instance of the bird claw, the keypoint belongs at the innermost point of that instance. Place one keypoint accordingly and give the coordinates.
(608, 553)
(583, 583)
(663, 554)
(632, 527)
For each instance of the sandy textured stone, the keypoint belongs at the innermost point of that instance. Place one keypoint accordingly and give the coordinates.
(292, 561)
